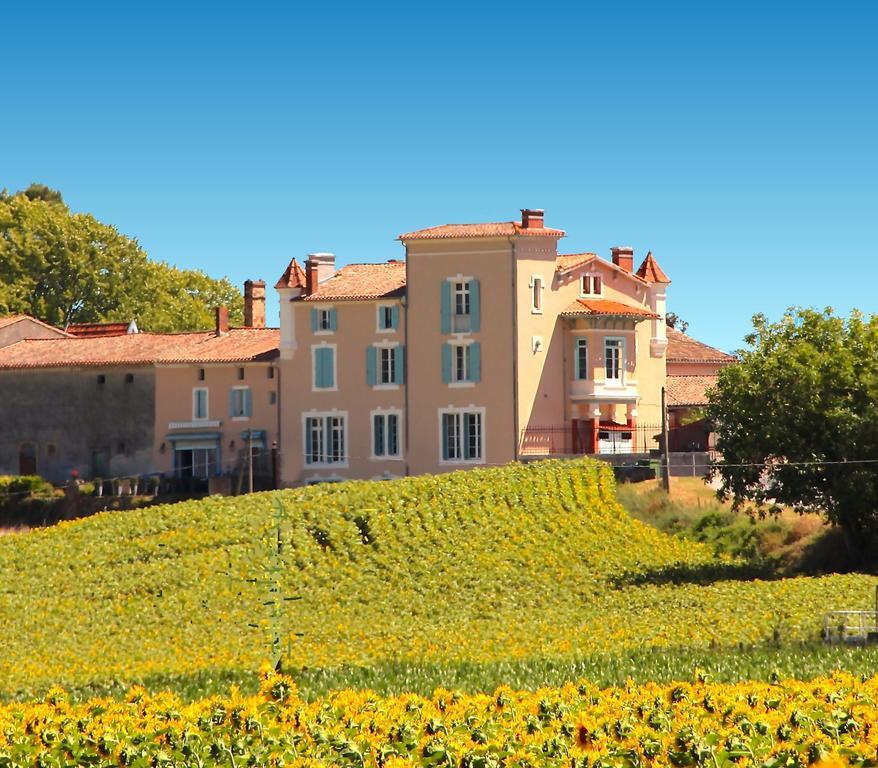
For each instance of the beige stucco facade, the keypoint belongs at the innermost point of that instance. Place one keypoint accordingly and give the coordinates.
(520, 355)
(209, 433)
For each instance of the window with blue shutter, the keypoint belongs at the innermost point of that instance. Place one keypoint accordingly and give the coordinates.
(378, 434)
(475, 322)
(248, 403)
(394, 316)
(233, 402)
(315, 320)
(399, 365)
(446, 363)
(333, 320)
(324, 368)
(371, 355)
(445, 306)
(475, 362)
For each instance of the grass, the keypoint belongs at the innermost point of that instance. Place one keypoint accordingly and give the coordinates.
(521, 574)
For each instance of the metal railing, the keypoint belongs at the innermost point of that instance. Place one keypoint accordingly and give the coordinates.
(850, 627)
(578, 437)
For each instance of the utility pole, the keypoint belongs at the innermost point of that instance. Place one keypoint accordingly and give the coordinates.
(250, 460)
(666, 454)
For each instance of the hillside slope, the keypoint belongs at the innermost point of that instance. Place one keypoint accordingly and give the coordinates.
(519, 562)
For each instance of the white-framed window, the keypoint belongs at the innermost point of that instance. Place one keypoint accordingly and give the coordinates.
(462, 435)
(580, 359)
(462, 363)
(614, 359)
(590, 285)
(386, 434)
(199, 403)
(385, 365)
(240, 402)
(387, 318)
(325, 438)
(461, 299)
(324, 320)
(323, 366)
(536, 295)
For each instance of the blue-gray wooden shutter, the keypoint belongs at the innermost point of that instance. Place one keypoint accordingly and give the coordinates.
(394, 316)
(399, 365)
(315, 320)
(333, 320)
(231, 403)
(378, 434)
(445, 436)
(329, 372)
(475, 361)
(446, 363)
(371, 354)
(475, 315)
(445, 306)
(248, 403)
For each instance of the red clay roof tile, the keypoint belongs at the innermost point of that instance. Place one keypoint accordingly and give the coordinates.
(238, 345)
(688, 390)
(650, 270)
(685, 349)
(91, 330)
(489, 229)
(595, 307)
(362, 282)
(293, 276)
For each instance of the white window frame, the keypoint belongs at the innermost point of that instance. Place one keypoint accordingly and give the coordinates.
(324, 310)
(577, 369)
(591, 292)
(536, 294)
(384, 413)
(456, 383)
(323, 415)
(243, 416)
(456, 319)
(622, 350)
(334, 348)
(379, 313)
(460, 411)
(195, 391)
(379, 345)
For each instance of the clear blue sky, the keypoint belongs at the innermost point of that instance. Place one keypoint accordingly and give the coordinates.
(738, 142)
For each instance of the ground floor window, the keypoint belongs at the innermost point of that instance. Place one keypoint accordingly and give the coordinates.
(462, 435)
(325, 437)
(199, 463)
(385, 435)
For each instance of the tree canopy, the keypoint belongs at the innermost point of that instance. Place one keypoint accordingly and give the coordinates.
(65, 267)
(797, 419)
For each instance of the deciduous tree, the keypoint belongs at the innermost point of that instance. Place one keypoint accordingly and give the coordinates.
(797, 419)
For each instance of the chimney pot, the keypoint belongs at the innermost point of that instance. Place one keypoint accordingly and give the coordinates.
(532, 218)
(222, 321)
(623, 257)
(254, 303)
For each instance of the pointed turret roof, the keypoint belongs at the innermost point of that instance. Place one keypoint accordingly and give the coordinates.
(293, 276)
(650, 270)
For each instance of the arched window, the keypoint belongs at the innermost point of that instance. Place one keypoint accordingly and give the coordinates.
(27, 459)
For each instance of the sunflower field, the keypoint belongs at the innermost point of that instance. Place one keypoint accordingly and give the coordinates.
(829, 722)
(517, 567)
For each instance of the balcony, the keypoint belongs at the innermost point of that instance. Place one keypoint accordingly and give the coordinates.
(615, 391)
(196, 424)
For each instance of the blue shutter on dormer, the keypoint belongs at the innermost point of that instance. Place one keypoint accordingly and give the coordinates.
(475, 361)
(371, 354)
(333, 320)
(445, 306)
(475, 322)
(399, 365)
(394, 316)
(315, 321)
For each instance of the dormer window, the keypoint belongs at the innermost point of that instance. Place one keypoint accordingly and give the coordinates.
(590, 285)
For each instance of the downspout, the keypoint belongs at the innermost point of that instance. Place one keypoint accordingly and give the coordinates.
(515, 419)
(277, 370)
(408, 356)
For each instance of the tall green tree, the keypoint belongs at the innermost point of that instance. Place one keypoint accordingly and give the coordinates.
(797, 420)
(65, 267)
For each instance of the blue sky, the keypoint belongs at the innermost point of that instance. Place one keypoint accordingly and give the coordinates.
(736, 142)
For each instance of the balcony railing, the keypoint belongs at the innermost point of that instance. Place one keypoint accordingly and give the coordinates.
(578, 437)
(196, 424)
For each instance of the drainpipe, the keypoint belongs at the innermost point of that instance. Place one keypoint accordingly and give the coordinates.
(515, 420)
(404, 301)
(279, 422)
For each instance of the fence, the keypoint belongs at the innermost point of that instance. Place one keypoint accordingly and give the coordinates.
(850, 627)
(579, 437)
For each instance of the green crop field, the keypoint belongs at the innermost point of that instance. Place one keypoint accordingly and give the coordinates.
(520, 575)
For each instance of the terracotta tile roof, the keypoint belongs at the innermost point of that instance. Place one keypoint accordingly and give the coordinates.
(685, 349)
(90, 330)
(293, 276)
(490, 229)
(8, 320)
(359, 282)
(650, 270)
(567, 261)
(238, 345)
(688, 390)
(595, 307)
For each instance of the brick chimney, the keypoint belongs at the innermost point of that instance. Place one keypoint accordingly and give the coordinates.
(254, 303)
(532, 218)
(318, 267)
(222, 321)
(623, 257)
